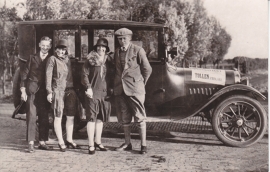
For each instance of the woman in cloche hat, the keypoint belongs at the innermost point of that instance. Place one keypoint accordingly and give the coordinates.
(95, 79)
(61, 94)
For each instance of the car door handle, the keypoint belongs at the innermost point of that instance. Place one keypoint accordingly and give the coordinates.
(160, 90)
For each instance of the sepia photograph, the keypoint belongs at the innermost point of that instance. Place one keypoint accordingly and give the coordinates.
(134, 85)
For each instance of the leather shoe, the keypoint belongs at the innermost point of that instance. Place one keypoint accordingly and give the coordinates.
(62, 147)
(143, 150)
(31, 148)
(72, 145)
(44, 147)
(124, 147)
(91, 152)
(100, 146)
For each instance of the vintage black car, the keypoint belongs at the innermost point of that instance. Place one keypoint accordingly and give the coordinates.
(220, 96)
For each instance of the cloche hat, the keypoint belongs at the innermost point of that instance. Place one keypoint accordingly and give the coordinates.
(62, 43)
(102, 42)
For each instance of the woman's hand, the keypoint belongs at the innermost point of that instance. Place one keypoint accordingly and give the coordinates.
(23, 95)
(49, 97)
(89, 93)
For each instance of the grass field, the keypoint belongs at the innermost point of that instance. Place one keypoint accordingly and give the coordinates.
(259, 80)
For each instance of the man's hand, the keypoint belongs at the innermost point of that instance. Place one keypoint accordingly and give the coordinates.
(49, 97)
(23, 95)
(89, 93)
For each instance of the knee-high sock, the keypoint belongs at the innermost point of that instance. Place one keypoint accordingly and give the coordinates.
(91, 132)
(98, 132)
(69, 128)
(58, 129)
(143, 133)
(126, 128)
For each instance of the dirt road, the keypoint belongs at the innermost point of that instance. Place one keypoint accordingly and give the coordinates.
(173, 151)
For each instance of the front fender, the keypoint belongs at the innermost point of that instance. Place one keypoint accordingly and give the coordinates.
(224, 92)
(239, 87)
(229, 90)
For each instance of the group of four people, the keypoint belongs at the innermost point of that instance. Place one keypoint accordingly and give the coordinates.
(51, 77)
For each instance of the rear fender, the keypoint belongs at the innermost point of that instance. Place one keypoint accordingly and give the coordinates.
(16, 89)
(19, 108)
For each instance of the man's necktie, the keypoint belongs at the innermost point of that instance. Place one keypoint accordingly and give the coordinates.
(123, 48)
(43, 56)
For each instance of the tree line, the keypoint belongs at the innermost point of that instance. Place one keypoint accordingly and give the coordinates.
(252, 64)
(197, 36)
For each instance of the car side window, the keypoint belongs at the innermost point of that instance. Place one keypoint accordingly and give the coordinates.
(149, 41)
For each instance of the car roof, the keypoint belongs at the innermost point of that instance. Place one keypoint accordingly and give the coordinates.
(90, 22)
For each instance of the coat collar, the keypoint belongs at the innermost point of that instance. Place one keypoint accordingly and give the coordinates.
(129, 52)
(60, 58)
(38, 58)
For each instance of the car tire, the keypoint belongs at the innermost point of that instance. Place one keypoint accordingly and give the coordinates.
(239, 121)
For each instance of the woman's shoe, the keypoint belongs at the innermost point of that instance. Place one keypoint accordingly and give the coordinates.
(100, 146)
(72, 145)
(92, 151)
(62, 147)
(143, 150)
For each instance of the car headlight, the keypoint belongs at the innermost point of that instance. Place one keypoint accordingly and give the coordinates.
(245, 81)
(237, 77)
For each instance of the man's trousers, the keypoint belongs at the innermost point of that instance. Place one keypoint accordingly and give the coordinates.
(37, 105)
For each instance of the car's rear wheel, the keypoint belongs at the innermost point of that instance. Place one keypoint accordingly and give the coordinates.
(239, 121)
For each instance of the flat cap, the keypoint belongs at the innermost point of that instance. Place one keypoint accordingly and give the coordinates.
(123, 32)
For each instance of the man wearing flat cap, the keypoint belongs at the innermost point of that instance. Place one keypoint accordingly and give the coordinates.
(132, 73)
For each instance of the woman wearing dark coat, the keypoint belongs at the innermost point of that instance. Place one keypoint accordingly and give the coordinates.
(95, 79)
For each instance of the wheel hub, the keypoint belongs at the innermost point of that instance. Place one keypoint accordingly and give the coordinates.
(239, 122)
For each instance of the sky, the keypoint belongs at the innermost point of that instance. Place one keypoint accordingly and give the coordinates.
(11, 3)
(18, 4)
(245, 20)
(247, 23)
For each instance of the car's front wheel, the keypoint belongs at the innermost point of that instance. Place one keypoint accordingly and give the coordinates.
(239, 121)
